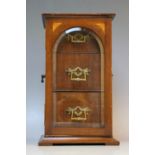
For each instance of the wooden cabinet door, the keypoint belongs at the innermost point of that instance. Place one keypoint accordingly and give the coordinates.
(78, 82)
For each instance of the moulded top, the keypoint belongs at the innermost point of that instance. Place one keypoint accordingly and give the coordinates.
(68, 15)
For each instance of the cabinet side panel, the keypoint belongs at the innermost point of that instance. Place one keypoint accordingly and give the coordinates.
(108, 76)
(49, 77)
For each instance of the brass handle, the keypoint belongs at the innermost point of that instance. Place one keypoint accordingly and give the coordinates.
(78, 38)
(78, 74)
(78, 113)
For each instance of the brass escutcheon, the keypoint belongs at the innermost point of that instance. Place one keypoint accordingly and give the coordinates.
(78, 113)
(78, 74)
(77, 38)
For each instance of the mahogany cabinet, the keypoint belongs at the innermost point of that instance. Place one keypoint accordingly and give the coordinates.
(78, 85)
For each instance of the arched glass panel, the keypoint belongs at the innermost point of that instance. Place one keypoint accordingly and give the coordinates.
(78, 60)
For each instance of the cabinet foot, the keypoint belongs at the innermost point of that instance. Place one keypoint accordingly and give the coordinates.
(45, 141)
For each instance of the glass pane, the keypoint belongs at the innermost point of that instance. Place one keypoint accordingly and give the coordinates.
(78, 96)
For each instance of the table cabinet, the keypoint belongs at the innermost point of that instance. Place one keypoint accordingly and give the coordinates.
(78, 85)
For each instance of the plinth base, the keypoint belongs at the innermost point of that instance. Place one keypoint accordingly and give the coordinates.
(44, 141)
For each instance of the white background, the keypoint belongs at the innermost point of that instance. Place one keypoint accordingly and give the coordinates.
(13, 81)
(36, 60)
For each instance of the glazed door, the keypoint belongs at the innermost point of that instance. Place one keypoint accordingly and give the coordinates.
(78, 95)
